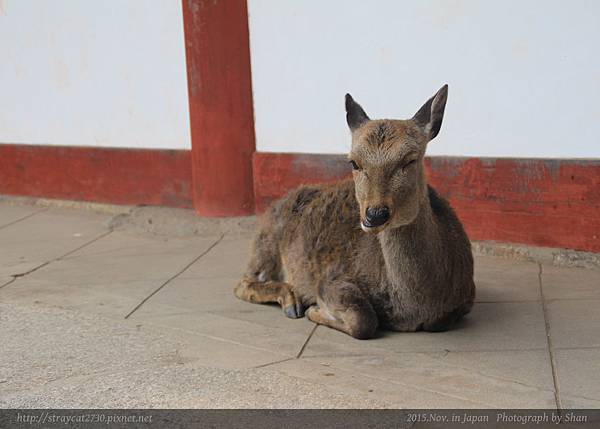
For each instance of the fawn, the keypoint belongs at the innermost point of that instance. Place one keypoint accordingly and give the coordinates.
(382, 250)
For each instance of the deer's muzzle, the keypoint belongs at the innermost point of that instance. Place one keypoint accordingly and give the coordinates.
(376, 216)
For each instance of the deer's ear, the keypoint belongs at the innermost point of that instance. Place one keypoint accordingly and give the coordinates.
(355, 115)
(430, 115)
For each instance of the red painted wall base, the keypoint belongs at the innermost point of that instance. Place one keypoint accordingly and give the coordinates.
(540, 202)
(554, 203)
(108, 175)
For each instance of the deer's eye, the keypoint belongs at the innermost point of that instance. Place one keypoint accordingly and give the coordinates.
(354, 165)
(408, 164)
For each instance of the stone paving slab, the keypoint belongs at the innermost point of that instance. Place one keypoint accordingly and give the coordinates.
(570, 283)
(46, 236)
(55, 344)
(192, 344)
(575, 323)
(190, 387)
(502, 280)
(395, 393)
(484, 383)
(203, 295)
(122, 258)
(56, 358)
(13, 213)
(99, 299)
(579, 377)
(283, 339)
(110, 276)
(230, 257)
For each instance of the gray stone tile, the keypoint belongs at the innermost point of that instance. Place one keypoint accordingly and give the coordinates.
(125, 243)
(202, 294)
(12, 213)
(570, 283)
(189, 387)
(45, 344)
(577, 402)
(498, 326)
(113, 300)
(528, 367)
(207, 297)
(492, 379)
(56, 224)
(57, 358)
(228, 259)
(125, 258)
(12, 268)
(394, 393)
(578, 372)
(283, 337)
(110, 276)
(71, 304)
(46, 236)
(215, 296)
(501, 280)
(574, 323)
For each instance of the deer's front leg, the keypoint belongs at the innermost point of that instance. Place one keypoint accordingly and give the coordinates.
(279, 292)
(341, 305)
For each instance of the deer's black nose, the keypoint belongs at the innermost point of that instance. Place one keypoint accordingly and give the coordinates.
(377, 216)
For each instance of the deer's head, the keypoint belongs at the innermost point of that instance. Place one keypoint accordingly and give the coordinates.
(387, 161)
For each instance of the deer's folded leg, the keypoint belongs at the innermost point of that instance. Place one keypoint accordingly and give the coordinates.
(271, 292)
(341, 305)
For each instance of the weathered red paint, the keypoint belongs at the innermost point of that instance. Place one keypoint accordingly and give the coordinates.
(541, 202)
(276, 173)
(220, 97)
(109, 175)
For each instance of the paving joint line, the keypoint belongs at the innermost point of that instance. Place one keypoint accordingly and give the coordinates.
(8, 282)
(264, 365)
(173, 277)
(59, 258)
(549, 344)
(307, 340)
(23, 218)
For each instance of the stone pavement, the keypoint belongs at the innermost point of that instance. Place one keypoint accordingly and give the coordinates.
(69, 277)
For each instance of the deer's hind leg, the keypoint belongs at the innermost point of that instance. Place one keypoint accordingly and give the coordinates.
(341, 305)
(262, 282)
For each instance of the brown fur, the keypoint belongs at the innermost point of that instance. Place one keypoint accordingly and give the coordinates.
(413, 272)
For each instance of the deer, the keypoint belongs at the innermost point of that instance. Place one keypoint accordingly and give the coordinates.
(382, 251)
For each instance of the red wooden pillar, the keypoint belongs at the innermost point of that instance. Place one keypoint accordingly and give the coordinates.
(220, 97)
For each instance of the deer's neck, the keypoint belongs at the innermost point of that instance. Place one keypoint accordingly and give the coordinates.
(409, 250)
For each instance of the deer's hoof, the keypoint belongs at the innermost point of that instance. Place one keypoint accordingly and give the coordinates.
(294, 311)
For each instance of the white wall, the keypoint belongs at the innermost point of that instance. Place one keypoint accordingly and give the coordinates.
(524, 76)
(93, 73)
